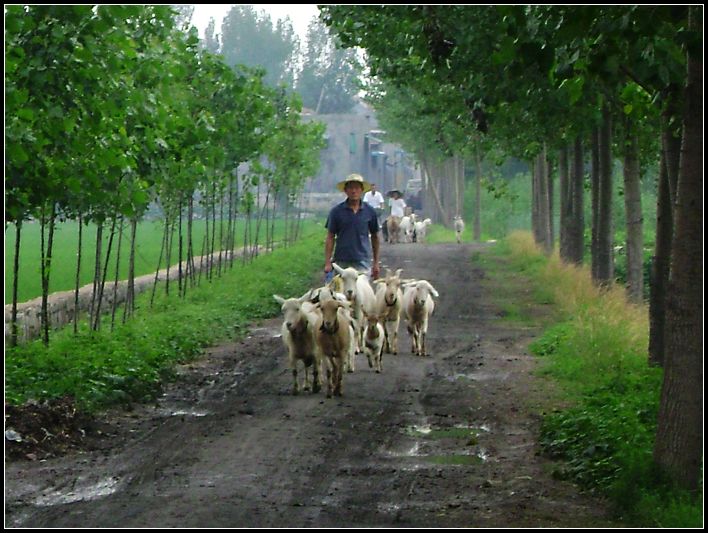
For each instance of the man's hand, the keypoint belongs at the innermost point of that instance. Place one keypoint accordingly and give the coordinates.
(375, 271)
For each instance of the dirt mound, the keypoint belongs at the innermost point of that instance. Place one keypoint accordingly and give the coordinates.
(50, 429)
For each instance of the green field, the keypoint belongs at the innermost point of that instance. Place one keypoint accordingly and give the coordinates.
(66, 237)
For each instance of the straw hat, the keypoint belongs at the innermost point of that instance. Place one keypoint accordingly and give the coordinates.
(357, 178)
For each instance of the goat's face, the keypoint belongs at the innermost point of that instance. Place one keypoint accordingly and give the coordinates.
(349, 277)
(393, 285)
(293, 317)
(330, 317)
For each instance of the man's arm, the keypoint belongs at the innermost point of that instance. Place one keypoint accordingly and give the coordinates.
(375, 268)
(329, 248)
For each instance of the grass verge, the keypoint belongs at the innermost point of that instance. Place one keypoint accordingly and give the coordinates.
(104, 368)
(597, 352)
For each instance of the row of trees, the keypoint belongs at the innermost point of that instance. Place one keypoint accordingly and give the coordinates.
(535, 81)
(111, 108)
(324, 75)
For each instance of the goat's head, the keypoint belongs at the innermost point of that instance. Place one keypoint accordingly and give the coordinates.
(348, 277)
(293, 317)
(330, 315)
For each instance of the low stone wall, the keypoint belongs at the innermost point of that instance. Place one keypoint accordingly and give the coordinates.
(60, 305)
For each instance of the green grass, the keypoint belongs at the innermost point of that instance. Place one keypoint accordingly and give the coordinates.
(63, 273)
(597, 353)
(104, 368)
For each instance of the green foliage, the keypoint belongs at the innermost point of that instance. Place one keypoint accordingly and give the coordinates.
(129, 364)
(605, 439)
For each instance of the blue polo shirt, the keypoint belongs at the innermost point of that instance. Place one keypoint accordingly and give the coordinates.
(352, 231)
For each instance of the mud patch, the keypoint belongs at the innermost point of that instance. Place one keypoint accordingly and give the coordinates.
(38, 431)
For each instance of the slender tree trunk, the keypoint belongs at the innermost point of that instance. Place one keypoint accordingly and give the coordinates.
(129, 307)
(15, 283)
(163, 246)
(221, 229)
(213, 229)
(168, 252)
(99, 299)
(605, 273)
(46, 270)
(114, 305)
(78, 277)
(96, 272)
(678, 446)
(180, 251)
(633, 209)
(190, 242)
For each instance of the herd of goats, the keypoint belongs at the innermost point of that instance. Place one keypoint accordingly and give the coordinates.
(327, 326)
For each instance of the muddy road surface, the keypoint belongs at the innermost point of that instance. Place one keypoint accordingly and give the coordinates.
(447, 440)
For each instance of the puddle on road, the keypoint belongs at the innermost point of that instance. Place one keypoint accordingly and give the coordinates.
(166, 411)
(479, 376)
(76, 493)
(465, 436)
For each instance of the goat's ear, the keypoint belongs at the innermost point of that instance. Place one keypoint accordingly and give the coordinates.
(305, 297)
(338, 268)
(279, 299)
(432, 289)
(398, 273)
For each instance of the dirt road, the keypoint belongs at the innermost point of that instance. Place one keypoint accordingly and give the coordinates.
(442, 441)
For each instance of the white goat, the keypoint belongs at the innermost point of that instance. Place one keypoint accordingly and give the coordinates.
(333, 335)
(374, 342)
(298, 332)
(418, 305)
(406, 229)
(421, 229)
(459, 228)
(362, 300)
(389, 299)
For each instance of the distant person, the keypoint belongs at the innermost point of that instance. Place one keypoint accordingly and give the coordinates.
(352, 231)
(376, 200)
(397, 204)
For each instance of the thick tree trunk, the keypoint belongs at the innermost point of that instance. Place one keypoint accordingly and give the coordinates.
(595, 201)
(633, 210)
(566, 204)
(679, 444)
(577, 219)
(605, 265)
(660, 267)
(477, 221)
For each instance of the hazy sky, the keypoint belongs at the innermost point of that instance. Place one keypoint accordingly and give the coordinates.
(300, 14)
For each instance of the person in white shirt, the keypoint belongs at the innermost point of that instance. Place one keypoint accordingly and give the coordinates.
(397, 204)
(376, 200)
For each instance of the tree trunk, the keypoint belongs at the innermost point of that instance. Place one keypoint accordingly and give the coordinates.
(99, 300)
(163, 247)
(114, 305)
(605, 266)
(566, 205)
(96, 271)
(595, 184)
(46, 271)
(15, 282)
(679, 444)
(633, 209)
(130, 295)
(477, 220)
(577, 219)
(660, 266)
